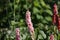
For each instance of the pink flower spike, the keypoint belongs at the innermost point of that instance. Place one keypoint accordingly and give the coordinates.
(51, 37)
(55, 9)
(28, 21)
(17, 34)
(30, 24)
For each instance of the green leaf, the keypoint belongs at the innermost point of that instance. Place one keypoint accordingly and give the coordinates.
(43, 34)
(41, 26)
(40, 37)
(14, 23)
(25, 6)
(55, 37)
(36, 3)
(16, 6)
(44, 4)
(17, 1)
(44, 21)
(58, 36)
(48, 11)
(35, 10)
(39, 17)
(48, 18)
(46, 27)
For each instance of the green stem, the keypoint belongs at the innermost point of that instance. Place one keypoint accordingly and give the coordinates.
(14, 14)
(14, 10)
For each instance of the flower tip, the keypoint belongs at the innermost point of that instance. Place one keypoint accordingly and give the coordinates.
(55, 5)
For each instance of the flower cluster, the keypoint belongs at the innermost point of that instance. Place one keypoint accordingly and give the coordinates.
(51, 37)
(29, 24)
(55, 13)
(56, 18)
(17, 34)
(58, 24)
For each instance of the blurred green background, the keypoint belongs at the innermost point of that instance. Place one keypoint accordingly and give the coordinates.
(12, 15)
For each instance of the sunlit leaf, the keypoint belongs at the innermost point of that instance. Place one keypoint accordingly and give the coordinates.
(43, 34)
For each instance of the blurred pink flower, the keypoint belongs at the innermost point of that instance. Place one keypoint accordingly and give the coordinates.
(17, 34)
(55, 9)
(51, 37)
(55, 13)
(28, 21)
(30, 24)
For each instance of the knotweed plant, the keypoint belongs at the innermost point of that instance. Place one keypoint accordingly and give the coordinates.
(51, 37)
(30, 24)
(58, 23)
(55, 9)
(56, 18)
(17, 34)
(55, 13)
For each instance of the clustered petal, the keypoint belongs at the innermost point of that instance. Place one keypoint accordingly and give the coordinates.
(55, 13)
(17, 34)
(29, 24)
(51, 37)
(58, 24)
(55, 10)
(28, 21)
(56, 18)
